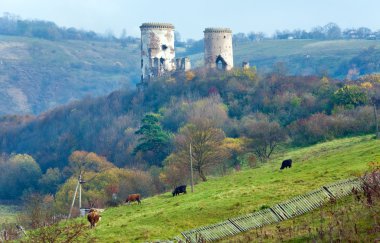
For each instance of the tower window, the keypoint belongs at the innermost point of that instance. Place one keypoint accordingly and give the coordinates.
(164, 47)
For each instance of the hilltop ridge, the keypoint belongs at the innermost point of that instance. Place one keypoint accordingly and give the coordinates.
(38, 75)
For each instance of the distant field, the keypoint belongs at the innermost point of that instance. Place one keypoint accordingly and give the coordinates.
(302, 57)
(8, 213)
(163, 216)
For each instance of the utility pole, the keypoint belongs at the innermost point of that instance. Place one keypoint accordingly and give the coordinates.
(80, 191)
(79, 185)
(376, 122)
(75, 194)
(191, 170)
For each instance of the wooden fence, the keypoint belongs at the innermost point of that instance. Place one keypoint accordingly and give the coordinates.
(291, 208)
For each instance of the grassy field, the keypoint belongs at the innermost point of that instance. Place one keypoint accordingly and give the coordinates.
(347, 220)
(8, 213)
(350, 219)
(164, 216)
(303, 57)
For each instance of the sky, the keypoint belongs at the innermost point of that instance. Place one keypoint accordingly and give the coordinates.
(192, 16)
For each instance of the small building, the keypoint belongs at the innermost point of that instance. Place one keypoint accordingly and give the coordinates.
(245, 65)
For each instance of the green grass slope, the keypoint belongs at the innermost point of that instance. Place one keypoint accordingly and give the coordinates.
(164, 216)
(347, 220)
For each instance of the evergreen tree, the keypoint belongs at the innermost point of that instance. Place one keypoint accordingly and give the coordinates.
(154, 143)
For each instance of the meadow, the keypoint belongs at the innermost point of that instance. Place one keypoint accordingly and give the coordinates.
(8, 213)
(164, 216)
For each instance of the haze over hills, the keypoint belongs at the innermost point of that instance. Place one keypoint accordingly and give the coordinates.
(37, 75)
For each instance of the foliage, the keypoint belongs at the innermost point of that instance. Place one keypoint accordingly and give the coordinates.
(174, 172)
(105, 188)
(350, 96)
(264, 135)
(67, 232)
(18, 173)
(322, 127)
(154, 142)
(303, 107)
(82, 161)
(38, 211)
(50, 181)
(207, 146)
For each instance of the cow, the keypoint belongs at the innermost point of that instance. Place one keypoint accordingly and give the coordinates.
(179, 189)
(132, 198)
(93, 217)
(286, 163)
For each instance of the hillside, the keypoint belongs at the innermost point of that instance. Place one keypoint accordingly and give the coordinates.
(37, 75)
(164, 216)
(306, 57)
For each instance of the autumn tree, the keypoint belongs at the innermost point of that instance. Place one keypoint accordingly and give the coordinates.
(350, 96)
(207, 146)
(154, 143)
(83, 161)
(210, 109)
(264, 135)
(175, 172)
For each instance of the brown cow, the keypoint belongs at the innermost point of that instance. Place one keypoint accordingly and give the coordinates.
(132, 198)
(93, 217)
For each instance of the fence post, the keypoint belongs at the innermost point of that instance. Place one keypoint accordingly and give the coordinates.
(236, 226)
(331, 195)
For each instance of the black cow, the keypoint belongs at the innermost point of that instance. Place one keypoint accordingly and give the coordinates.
(286, 163)
(179, 189)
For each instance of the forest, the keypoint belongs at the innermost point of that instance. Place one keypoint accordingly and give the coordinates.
(137, 141)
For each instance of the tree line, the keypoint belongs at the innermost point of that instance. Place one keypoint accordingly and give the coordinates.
(13, 25)
(139, 142)
(330, 31)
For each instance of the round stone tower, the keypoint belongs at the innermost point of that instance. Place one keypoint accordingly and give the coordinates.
(157, 50)
(218, 48)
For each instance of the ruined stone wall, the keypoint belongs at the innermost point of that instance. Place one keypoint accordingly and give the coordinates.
(218, 48)
(183, 64)
(157, 50)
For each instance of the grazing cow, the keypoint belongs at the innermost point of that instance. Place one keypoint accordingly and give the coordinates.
(286, 163)
(132, 198)
(93, 217)
(179, 189)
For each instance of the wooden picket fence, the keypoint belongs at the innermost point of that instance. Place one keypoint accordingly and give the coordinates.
(291, 208)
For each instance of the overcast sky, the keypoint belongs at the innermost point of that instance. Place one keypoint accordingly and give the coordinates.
(192, 16)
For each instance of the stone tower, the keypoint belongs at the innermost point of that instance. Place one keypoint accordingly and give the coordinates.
(157, 50)
(218, 48)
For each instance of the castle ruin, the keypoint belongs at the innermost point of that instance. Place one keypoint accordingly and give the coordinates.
(157, 49)
(158, 53)
(218, 48)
